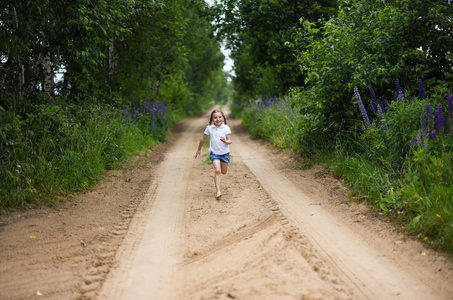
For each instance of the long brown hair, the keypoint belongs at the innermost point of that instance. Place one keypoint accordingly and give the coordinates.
(217, 111)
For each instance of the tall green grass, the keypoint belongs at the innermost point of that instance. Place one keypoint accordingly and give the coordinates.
(58, 149)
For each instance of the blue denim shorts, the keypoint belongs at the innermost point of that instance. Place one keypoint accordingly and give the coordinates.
(224, 157)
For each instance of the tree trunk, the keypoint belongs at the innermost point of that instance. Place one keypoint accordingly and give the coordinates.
(29, 89)
(158, 82)
(48, 86)
(151, 82)
(21, 66)
(157, 88)
(22, 79)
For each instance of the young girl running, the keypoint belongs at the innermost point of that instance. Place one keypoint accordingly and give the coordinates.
(218, 146)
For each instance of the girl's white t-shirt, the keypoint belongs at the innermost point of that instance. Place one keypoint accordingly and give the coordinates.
(216, 146)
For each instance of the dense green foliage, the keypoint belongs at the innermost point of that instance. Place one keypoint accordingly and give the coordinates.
(399, 155)
(107, 51)
(257, 33)
(85, 83)
(374, 42)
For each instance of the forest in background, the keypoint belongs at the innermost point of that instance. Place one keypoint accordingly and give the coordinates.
(85, 84)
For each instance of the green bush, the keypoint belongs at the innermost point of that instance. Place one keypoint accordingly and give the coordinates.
(59, 148)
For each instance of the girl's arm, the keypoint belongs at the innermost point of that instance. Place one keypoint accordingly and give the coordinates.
(203, 139)
(227, 140)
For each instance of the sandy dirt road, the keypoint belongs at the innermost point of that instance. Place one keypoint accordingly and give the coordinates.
(157, 232)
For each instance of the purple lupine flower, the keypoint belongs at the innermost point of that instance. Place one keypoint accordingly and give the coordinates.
(419, 138)
(421, 91)
(428, 110)
(362, 107)
(398, 87)
(434, 134)
(423, 123)
(425, 146)
(381, 114)
(374, 100)
(441, 117)
(400, 97)
(436, 120)
(386, 103)
(412, 143)
(115, 115)
(373, 105)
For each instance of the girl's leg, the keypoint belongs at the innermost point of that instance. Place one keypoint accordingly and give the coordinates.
(218, 172)
(223, 167)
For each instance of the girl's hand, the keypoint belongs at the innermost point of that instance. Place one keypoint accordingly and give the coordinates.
(225, 141)
(196, 154)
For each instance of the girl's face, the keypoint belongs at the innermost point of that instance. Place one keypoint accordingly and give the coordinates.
(217, 118)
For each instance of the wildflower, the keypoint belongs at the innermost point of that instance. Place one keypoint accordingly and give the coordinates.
(412, 142)
(425, 146)
(419, 139)
(374, 100)
(423, 123)
(440, 121)
(381, 114)
(398, 87)
(433, 134)
(421, 91)
(362, 107)
(115, 115)
(373, 106)
(400, 97)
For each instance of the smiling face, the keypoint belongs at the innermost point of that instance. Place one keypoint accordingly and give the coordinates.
(217, 118)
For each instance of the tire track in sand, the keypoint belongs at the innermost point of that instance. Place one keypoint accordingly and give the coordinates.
(147, 259)
(369, 273)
